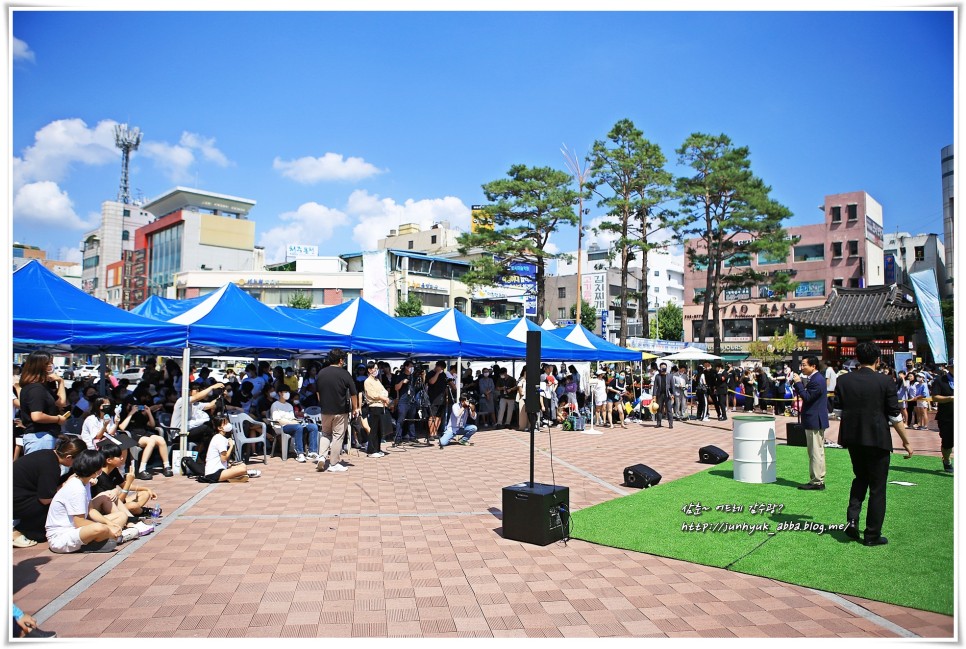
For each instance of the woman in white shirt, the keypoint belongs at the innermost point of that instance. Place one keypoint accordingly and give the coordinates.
(99, 421)
(219, 450)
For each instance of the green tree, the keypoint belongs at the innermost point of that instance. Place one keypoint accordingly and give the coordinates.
(778, 348)
(628, 176)
(411, 307)
(670, 322)
(727, 218)
(588, 315)
(525, 210)
(300, 300)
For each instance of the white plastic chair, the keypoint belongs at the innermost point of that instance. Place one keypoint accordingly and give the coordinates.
(313, 414)
(286, 439)
(238, 432)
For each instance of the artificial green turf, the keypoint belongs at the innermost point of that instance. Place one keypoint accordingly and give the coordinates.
(915, 569)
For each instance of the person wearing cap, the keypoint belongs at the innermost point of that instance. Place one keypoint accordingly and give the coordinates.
(942, 395)
(662, 392)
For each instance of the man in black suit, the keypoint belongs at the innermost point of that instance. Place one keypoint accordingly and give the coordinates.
(810, 385)
(662, 391)
(869, 405)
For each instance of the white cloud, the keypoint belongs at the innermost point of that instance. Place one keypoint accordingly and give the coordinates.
(311, 224)
(602, 239)
(176, 160)
(551, 248)
(374, 217)
(22, 51)
(70, 254)
(331, 166)
(59, 145)
(44, 203)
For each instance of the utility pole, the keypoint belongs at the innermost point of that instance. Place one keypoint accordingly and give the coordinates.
(580, 175)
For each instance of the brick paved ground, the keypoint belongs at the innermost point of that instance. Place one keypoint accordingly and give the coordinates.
(410, 545)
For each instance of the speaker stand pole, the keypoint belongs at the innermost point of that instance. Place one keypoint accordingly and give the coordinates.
(589, 429)
(533, 438)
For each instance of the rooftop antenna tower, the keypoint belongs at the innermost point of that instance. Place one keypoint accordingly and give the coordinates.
(127, 140)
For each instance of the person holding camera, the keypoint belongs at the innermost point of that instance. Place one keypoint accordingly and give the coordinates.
(200, 431)
(99, 421)
(138, 422)
(460, 414)
(436, 387)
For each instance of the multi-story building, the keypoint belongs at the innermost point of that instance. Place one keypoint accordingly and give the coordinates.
(905, 253)
(105, 246)
(949, 195)
(196, 230)
(24, 254)
(665, 284)
(325, 280)
(844, 250)
(438, 239)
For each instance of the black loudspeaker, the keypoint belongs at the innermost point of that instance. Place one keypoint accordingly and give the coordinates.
(641, 476)
(711, 455)
(795, 434)
(539, 514)
(532, 395)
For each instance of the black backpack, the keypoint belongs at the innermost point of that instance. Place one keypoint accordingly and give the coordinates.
(192, 469)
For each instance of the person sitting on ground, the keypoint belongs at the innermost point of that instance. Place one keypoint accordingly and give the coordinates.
(68, 527)
(283, 413)
(219, 451)
(36, 478)
(106, 505)
(99, 420)
(138, 422)
(120, 488)
(457, 424)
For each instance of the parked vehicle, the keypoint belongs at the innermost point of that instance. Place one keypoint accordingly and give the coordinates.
(87, 372)
(132, 374)
(66, 371)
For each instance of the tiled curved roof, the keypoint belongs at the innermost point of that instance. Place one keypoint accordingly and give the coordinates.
(876, 306)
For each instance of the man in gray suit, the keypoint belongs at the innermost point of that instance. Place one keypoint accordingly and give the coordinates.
(869, 405)
(663, 392)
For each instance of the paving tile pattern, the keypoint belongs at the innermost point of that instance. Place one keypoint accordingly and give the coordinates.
(410, 545)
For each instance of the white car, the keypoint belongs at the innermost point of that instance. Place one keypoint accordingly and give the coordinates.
(132, 374)
(87, 372)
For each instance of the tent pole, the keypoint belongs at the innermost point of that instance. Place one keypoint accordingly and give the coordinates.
(102, 372)
(185, 402)
(459, 377)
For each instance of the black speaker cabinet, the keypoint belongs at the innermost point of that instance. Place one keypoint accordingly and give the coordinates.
(711, 455)
(532, 395)
(539, 514)
(795, 434)
(641, 476)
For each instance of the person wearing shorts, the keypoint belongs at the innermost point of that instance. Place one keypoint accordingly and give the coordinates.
(942, 395)
(68, 527)
(219, 450)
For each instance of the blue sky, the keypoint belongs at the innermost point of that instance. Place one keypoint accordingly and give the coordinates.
(343, 125)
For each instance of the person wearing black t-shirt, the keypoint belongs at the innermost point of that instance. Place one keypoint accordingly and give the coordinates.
(42, 397)
(36, 478)
(406, 408)
(942, 394)
(339, 400)
(436, 387)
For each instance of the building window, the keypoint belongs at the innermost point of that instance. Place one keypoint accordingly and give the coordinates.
(561, 313)
(811, 252)
(853, 248)
(769, 327)
(657, 273)
(432, 239)
(739, 259)
(736, 330)
(699, 295)
(562, 292)
(853, 212)
(810, 289)
(410, 245)
(854, 282)
(837, 214)
(92, 262)
(126, 212)
(836, 250)
(125, 236)
(838, 281)
(920, 253)
(767, 292)
(696, 326)
(765, 259)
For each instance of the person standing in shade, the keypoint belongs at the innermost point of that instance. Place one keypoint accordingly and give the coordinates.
(377, 398)
(338, 399)
(42, 396)
(407, 410)
(869, 405)
(283, 413)
(942, 395)
(662, 391)
(721, 391)
(507, 387)
(436, 388)
(831, 378)
(679, 381)
(810, 386)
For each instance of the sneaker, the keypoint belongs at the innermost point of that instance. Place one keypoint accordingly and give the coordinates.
(129, 534)
(313, 457)
(40, 633)
(465, 442)
(378, 454)
(23, 542)
(300, 458)
(948, 467)
(143, 475)
(99, 546)
(254, 473)
(337, 468)
(143, 528)
(322, 465)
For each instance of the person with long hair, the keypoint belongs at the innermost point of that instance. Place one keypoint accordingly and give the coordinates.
(137, 420)
(36, 478)
(99, 420)
(42, 396)
(219, 451)
(377, 399)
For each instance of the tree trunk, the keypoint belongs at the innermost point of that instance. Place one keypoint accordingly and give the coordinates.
(540, 288)
(642, 308)
(622, 332)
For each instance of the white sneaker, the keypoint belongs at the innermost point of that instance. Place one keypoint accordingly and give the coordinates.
(254, 473)
(336, 468)
(143, 528)
(313, 457)
(300, 458)
(380, 454)
(129, 534)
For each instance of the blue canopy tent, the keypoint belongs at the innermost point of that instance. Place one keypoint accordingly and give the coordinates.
(368, 330)
(552, 348)
(51, 314)
(162, 308)
(579, 335)
(475, 340)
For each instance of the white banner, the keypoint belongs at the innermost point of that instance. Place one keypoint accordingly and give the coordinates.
(375, 279)
(927, 297)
